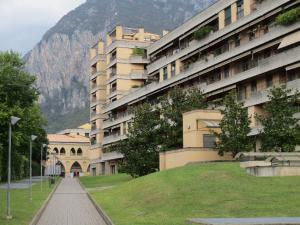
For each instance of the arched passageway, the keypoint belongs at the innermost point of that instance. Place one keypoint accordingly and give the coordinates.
(60, 169)
(76, 169)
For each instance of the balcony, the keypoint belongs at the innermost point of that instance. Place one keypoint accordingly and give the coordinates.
(95, 102)
(126, 44)
(97, 58)
(138, 60)
(117, 120)
(262, 96)
(266, 7)
(113, 138)
(97, 88)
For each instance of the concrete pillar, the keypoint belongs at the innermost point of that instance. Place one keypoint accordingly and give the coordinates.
(234, 13)
(247, 7)
(221, 19)
(178, 65)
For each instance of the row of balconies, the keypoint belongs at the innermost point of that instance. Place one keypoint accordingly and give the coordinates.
(227, 31)
(268, 64)
(113, 138)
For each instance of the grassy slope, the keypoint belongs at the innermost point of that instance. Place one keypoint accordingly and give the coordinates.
(211, 190)
(104, 181)
(23, 210)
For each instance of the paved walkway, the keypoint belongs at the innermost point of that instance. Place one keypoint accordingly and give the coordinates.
(70, 205)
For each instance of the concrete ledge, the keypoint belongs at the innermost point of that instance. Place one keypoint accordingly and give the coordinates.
(38, 215)
(247, 221)
(102, 213)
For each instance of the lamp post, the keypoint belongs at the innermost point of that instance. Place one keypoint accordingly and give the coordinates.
(42, 149)
(32, 138)
(13, 121)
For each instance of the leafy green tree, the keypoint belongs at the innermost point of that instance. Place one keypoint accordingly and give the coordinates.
(281, 129)
(141, 149)
(18, 97)
(235, 126)
(171, 108)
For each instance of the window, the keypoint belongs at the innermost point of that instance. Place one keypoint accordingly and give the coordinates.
(240, 9)
(209, 141)
(228, 16)
(226, 71)
(251, 35)
(165, 73)
(269, 81)
(242, 93)
(237, 41)
(173, 69)
(253, 86)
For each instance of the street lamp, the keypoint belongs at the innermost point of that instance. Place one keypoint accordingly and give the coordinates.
(42, 149)
(13, 121)
(32, 138)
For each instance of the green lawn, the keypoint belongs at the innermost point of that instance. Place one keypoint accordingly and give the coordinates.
(210, 190)
(22, 209)
(104, 181)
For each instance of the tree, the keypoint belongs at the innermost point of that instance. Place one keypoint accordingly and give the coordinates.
(171, 108)
(141, 149)
(18, 97)
(235, 126)
(281, 129)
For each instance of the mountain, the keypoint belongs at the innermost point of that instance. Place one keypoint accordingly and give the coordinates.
(61, 59)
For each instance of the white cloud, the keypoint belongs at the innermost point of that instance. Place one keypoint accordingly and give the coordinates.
(30, 19)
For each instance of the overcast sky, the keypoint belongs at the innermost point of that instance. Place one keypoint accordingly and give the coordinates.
(23, 22)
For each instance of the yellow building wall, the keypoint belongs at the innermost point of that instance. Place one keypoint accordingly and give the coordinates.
(178, 65)
(221, 19)
(192, 135)
(124, 53)
(248, 7)
(234, 13)
(182, 157)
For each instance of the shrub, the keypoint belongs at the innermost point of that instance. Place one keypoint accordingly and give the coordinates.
(138, 52)
(289, 17)
(202, 32)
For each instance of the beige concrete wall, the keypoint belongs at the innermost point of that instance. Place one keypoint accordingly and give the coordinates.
(93, 53)
(252, 112)
(248, 7)
(234, 13)
(178, 65)
(124, 53)
(182, 157)
(221, 19)
(192, 131)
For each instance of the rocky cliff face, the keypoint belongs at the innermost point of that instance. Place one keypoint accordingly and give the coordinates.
(60, 60)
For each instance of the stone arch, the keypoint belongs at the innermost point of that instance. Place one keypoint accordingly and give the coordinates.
(62, 151)
(61, 168)
(79, 152)
(72, 152)
(56, 150)
(76, 168)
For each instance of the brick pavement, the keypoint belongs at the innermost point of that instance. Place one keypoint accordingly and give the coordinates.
(70, 205)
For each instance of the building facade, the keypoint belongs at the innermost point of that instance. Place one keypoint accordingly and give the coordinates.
(232, 45)
(118, 68)
(68, 155)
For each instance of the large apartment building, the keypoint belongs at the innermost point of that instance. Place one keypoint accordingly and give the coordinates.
(118, 68)
(232, 45)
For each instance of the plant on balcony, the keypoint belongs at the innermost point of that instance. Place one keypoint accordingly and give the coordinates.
(202, 32)
(138, 52)
(135, 86)
(289, 17)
